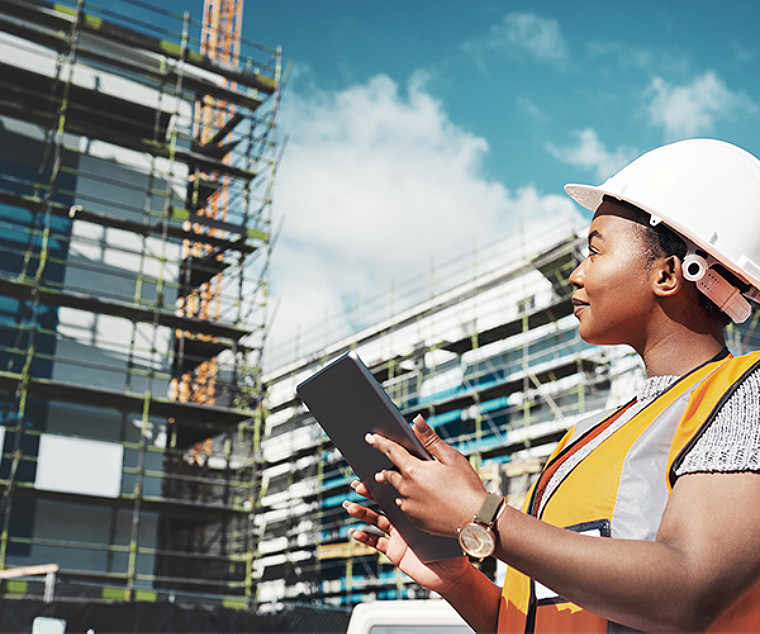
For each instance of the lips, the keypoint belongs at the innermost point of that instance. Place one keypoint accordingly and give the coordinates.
(579, 306)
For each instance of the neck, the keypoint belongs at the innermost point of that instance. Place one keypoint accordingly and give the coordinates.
(677, 354)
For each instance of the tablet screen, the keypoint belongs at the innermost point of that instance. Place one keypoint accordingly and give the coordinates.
(348, 402)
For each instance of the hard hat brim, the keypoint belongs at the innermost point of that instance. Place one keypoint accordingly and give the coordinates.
(591, 198)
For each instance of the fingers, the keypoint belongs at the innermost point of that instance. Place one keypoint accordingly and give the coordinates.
(368, 516)
(361, 489)
(388, 476)
(376, 531)
(377, 542)
(381, 477)
(425, 434)
(430, 440)
(395, 452)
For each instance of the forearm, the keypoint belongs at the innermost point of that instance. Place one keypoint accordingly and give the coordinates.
(467, 589)
(641, 584)
(476, 598)
(703, 558)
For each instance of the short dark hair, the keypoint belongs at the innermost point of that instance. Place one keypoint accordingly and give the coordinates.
(661, 241)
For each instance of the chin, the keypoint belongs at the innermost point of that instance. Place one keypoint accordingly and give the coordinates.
(599, 340)
(587, 337)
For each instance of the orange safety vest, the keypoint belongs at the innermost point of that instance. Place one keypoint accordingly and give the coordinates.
(620, 490)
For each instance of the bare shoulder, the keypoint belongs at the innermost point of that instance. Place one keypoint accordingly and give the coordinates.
(709, 503)
(714, 520)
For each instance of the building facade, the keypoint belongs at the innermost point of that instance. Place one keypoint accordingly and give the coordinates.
(498, 369)
(136, 161)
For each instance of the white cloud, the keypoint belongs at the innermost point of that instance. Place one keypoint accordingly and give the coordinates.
(694, 108)
(374, 184)
(743, 55)
(591, 154)
(624, 55)
(537, 115)
(520, 35)
(538, 36)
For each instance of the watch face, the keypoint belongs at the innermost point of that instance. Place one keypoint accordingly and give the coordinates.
(477, 540)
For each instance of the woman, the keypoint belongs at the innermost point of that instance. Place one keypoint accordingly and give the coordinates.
(671, 476)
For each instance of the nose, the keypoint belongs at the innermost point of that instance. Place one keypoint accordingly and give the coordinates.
(576, 277)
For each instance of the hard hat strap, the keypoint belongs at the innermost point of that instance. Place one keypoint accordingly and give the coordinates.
(725, 296)
(699, 267)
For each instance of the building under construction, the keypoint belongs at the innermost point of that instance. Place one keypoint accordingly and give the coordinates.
(137, 155)
(137, 152)
(495, 364)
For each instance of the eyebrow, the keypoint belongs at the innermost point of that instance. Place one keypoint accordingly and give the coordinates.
(595, 234)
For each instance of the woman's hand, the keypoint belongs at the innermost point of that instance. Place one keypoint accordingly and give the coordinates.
(465, 587)
(439, 496)
(437, 576)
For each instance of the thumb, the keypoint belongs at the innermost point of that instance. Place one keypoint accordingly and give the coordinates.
(430, 440)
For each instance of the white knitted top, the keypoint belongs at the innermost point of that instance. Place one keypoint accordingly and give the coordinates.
(730, 443)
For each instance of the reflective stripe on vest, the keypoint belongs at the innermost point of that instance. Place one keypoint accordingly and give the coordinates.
(625, 481)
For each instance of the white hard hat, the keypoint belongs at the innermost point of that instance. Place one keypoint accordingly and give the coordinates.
(708, 191)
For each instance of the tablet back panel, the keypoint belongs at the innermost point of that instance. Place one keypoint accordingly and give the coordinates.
(348, 403)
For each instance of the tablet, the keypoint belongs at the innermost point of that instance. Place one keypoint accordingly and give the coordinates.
(348, 403)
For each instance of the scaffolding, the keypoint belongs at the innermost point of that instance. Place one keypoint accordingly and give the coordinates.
(136, 169)
(497, 367)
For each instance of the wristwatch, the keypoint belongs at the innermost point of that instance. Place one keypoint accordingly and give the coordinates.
(478, 538)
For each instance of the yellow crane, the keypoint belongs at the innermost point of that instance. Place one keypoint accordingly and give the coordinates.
(220, 41)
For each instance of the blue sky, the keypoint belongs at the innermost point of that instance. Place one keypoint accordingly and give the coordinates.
(526, 75)
(419, 128)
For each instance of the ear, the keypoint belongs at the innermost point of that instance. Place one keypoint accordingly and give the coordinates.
(667, 276)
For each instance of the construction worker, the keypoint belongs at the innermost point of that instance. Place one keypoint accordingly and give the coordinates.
(647, 518)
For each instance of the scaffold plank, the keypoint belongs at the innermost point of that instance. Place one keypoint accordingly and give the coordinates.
(58, 17)
(22, 290)
(199, 510)
(208, 418)
(344, 550)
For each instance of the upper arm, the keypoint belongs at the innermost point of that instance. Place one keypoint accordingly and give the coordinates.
(713, 521)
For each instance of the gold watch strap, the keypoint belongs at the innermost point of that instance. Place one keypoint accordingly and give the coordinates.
(489, 509)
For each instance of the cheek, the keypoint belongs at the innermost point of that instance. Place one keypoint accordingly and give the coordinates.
(612, 277)
(602, 281)
(613, 299)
